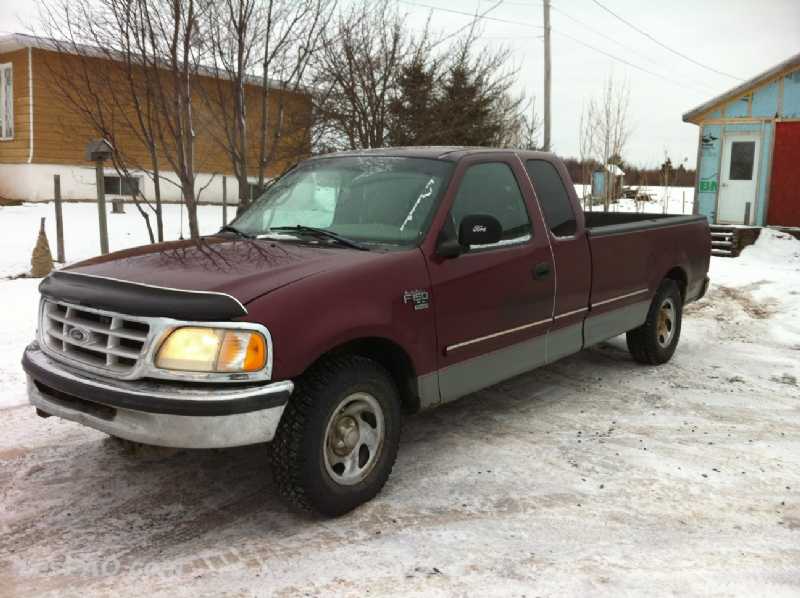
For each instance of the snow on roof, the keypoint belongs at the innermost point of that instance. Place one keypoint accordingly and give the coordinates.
(615, 170)
(776, 71)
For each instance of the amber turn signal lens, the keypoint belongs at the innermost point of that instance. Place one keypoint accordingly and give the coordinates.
(256, 357)
(242, 352)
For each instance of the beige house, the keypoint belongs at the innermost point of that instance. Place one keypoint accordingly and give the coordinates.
(42, 135)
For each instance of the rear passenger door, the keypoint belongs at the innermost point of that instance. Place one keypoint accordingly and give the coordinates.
(494, 303)
(570, 245)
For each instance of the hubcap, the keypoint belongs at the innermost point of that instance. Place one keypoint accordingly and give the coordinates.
(354, 438)
(665, 328)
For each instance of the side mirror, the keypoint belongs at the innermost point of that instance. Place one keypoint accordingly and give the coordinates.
(479, 229)
(447, 246)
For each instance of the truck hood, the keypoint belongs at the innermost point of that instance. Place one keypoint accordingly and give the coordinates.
(242, 268)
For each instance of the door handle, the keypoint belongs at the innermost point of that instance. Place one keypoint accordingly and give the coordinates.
(541, 271)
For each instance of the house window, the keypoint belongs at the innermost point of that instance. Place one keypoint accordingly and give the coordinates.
(6, 102)
(126, 185)
(255, 191)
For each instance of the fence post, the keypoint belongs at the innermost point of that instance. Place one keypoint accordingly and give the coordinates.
(101, 206)
(59, 219)
(224, 200)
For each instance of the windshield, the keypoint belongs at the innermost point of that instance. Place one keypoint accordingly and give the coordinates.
(370, 200)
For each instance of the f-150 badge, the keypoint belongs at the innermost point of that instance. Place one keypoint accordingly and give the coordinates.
(418, 297)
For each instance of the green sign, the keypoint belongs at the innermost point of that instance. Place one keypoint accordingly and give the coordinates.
(709, 186)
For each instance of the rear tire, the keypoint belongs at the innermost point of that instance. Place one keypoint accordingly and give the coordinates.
(655, 341)
(338, 438)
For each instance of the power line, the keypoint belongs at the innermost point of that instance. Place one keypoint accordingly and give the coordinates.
(477, 16)
(469, 14)
(623, 61)
(682, 84)
(666, 47)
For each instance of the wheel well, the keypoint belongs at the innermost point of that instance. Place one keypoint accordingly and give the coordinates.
(679, 276)
(392, 357)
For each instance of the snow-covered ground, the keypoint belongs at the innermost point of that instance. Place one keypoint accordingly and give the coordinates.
(676, 200)
(20, 227)
(592, 476)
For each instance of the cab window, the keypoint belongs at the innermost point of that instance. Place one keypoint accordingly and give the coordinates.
(549, 187)
(491, 188)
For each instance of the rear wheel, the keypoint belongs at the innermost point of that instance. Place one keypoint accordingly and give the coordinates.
(655, 341)
(338, 438)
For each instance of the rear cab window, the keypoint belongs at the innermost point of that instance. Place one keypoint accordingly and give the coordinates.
(491, 188)
(553, 197)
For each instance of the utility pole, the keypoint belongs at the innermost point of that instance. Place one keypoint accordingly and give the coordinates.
(546, 144)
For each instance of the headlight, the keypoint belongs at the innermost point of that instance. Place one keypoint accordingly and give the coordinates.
(196, 349)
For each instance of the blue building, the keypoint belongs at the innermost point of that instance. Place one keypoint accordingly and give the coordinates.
(748, 157)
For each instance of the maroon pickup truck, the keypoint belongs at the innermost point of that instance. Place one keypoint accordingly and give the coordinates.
(358, 287)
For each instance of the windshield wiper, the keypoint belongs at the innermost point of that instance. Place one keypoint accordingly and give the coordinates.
(321, 232)
(232, 229)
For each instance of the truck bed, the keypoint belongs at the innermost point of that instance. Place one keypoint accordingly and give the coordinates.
(632, 253)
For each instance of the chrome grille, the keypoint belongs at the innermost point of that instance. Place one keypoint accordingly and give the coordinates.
(97, 338)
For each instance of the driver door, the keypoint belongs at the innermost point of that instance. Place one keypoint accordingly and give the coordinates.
(494, 303)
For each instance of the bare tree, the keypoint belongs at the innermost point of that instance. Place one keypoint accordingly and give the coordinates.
(165, 41)
(113, 102)
(293, 33)
(356, 74)
(277, 38)
(586, 143)
(138, 62)
(608, 118)
(520, 125)
(233, 34)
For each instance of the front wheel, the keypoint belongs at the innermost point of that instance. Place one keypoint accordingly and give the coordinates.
(655, 341)
(338, 438)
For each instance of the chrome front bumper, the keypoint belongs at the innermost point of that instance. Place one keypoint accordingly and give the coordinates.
(157, 413)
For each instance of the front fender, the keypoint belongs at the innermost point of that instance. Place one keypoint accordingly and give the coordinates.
(315, 315)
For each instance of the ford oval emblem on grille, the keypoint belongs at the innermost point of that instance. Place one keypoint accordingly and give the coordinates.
(79, 335)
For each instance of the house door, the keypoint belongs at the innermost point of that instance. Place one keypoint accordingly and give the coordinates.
(784, 193)
(738, 179)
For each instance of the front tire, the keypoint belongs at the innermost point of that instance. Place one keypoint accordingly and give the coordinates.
(655, 341)
(338, 438)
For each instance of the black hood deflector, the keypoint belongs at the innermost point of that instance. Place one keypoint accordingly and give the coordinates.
(138, 299)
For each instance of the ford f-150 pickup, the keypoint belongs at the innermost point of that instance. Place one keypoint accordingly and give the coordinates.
(358, 287)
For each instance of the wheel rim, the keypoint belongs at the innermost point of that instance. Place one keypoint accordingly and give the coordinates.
(354, 438)
(665, 329)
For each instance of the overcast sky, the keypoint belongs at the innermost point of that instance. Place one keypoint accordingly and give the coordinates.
(737, 37)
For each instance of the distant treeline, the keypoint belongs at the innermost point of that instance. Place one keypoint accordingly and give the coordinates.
(581, 172)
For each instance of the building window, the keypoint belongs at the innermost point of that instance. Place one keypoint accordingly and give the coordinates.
(6, 101)
(126, 185)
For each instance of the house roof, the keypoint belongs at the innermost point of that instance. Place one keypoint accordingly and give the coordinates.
(776, 71)
(21, 41)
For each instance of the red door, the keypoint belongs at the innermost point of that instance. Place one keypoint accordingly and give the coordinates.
(493, 305)
(784, 192)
